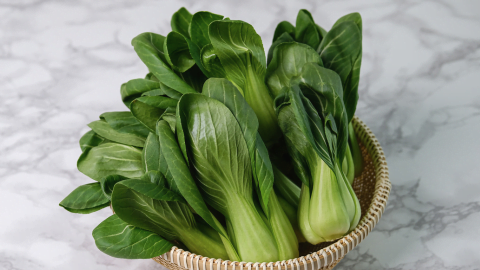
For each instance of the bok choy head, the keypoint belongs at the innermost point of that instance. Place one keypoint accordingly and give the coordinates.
(313, 119)
(217, 150)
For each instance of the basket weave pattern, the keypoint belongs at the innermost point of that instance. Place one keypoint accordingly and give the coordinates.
(372, 189)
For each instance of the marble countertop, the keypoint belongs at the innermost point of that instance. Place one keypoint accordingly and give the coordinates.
(62, 63)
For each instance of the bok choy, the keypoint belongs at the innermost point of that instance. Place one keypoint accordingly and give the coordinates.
(224, 151)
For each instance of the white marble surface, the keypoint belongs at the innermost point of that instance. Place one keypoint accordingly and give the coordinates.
(62, 63)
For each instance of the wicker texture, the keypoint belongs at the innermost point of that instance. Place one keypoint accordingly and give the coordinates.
(372, 189)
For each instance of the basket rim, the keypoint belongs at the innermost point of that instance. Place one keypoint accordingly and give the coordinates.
(326, 256)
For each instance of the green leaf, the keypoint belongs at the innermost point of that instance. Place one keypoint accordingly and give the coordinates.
(282, 28)
(149, 47)
(173, 220)
(156, 178)
(135, 88)
(306, 29)
(146, 114)
(285, 37)
(199, 27)
(111, 158)
(219, 155)
(304, 132)
(144, 212)
(161, 102)
(90, 140)
(341, 51)
(118, 239)
(181, 21)
(211, 62)
(151, 190)
(125, 122)
(107, 183)
(151, 153)
(103, 129)
(177, 52)
(323, 88)
(241, 53)
(225, 92)
(227, 169)
(181, 173)
(85, 199)
(239, 47)
(288, 60)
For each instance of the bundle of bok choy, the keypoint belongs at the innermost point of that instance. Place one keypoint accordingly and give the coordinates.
(222, 154)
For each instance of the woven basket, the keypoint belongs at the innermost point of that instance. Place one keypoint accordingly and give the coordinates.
(372, 189)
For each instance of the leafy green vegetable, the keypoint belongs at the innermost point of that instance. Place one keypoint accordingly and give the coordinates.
(328, 207)
(165, 216)
(125, 122)
(340, 50)
(225, 92)
(103, 129)
(176, 151)
(241, 53)
(282, 28)
(85, 199)
(306, 29)
(199, 27)
(111, 158)
(121, 240)
(225, 175)
(135, 88)
(288, 60)
(177, 52)
(181, 21)
(149, 47)
(179, 170)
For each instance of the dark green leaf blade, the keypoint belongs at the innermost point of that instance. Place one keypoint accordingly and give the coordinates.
(146, 114)
(306, 29)
(151, 190)
(225, 92)
(287, 63)
(211, 62)
(103, 129)
(107, 183)
(341, 51)
(85, 199)
(161, 102)
(90, 140)
(323, 88)
(177, 52)
(181, 21)
(181, 173)
(199, 27)
(209, 125)
(111, 158)
(238, 46)
(149, 47)
(282, 28)
(151, 153)
(285, 37)
(135, 88)
(120, 240)
(125, 122)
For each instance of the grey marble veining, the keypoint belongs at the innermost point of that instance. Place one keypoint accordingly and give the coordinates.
(62, 63)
